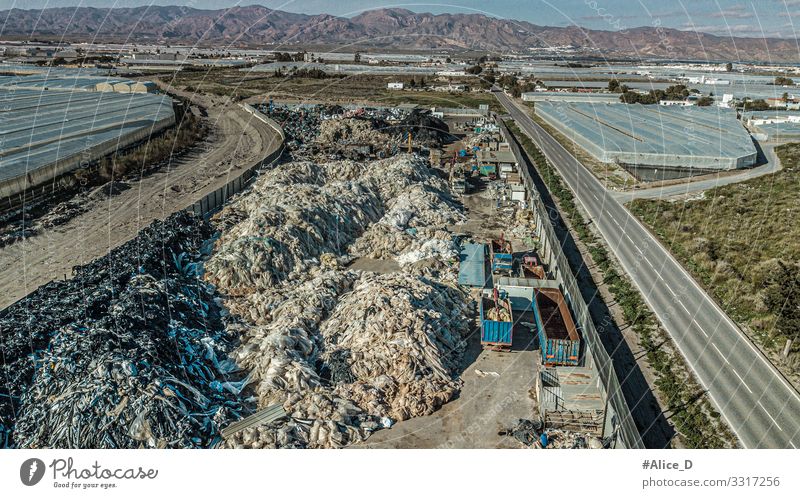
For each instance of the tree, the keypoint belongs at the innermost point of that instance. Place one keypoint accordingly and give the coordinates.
(755, 105)
(729, 67)
(783, 81)
(412, 83)
(476, 69)
(422, 82)
(782, 298)
(705, 101)
(357, 57)
(487, 79)
(613, 86)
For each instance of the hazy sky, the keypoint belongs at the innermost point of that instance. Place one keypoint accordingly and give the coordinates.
(721, 17)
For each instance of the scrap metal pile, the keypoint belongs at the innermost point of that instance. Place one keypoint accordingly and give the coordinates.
(425, 128)
(332, 130)
(345, 352)
(130, 352)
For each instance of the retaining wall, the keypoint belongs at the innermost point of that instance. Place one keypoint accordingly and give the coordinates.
(618, 415)
(213, 201)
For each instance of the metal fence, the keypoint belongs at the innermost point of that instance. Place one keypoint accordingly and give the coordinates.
(618, 415)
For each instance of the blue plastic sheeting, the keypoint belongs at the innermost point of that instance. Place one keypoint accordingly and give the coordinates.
(472, 267)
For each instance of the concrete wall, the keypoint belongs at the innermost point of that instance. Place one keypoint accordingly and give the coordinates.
(618, 415)
(213, 201)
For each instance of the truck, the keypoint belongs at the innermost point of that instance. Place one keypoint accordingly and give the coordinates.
(558, 338)
(497, 322)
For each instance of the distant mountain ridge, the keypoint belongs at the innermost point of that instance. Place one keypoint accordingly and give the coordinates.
(255, 25)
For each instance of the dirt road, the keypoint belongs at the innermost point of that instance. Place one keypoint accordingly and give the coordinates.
(236, 142)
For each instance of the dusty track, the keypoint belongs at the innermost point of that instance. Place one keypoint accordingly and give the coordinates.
(237, 141)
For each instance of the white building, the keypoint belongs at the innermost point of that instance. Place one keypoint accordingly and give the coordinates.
(727, 100)
(773, 120)
(684, 103)
(395, 85)
(451, 73)
(703, 80)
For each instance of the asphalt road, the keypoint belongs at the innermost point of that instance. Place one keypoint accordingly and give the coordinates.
(756, 401)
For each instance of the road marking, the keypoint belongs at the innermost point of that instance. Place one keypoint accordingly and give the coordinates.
(720, 353)
(742, 380)
(701, 328)
(542, 135)
(595, 197)
(770, 416)
(683, 306)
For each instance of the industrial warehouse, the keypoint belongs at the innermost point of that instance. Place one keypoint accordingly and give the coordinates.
(655, 141)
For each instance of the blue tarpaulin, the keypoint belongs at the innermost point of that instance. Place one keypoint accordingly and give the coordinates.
(472, 267)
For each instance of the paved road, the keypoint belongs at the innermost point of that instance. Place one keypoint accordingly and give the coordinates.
(758, 404)
(771, 165)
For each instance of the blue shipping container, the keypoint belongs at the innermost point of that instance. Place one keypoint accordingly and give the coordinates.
(494, 332)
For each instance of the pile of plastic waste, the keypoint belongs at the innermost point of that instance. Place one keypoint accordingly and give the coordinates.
(300, 126)
(129, 352)
(345, 352)
(301, 210)
(344, 365)
(394, 343)
(353, 131)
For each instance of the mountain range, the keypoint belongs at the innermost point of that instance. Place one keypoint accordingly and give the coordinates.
(258, 26)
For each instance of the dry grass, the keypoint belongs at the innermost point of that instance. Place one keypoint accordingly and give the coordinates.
(368, 89)
(731, 240)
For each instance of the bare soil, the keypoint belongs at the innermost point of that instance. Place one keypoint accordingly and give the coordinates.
(236, 142)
